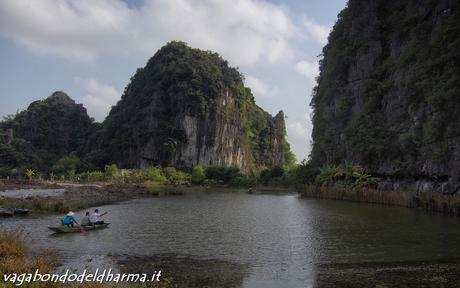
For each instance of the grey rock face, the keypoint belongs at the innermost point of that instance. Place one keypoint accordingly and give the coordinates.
(383, 100)
(188, 107)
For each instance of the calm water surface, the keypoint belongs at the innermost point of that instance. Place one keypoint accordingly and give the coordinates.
(234, 239)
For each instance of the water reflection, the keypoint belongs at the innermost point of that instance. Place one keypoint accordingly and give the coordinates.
(265, 240)
(356, 233)
(186, 271)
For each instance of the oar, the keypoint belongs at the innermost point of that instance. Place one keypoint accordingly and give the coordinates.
(82, 229)
(100, 215)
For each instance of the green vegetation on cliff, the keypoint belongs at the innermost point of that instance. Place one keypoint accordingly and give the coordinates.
(188, 107)
(387, 94)
(185, 108)
(43, 133)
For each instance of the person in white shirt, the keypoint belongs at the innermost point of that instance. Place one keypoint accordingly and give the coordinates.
(85, 221)
(94, 217)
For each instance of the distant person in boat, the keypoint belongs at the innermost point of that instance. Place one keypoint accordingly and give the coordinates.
(85, 221)
(69, 219)
(94, 218)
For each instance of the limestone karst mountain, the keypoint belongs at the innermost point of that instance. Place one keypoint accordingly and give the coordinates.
(388, 93)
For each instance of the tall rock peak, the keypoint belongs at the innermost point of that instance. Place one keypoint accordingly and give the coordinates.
(188, 107)
(60, 97)
(54, 127)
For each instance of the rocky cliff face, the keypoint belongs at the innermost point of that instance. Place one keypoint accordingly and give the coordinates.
(188, 107)
(388, 93)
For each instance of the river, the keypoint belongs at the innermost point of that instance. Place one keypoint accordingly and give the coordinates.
(234, 239)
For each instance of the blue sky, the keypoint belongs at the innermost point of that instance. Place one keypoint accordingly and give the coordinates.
(90, 49)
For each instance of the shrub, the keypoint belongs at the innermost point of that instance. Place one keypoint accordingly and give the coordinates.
(198, 174)
(176, 177)
(111, 171)
(243, 181)
(222, 174)
(95, 176)
(66, 164)
(153, 174)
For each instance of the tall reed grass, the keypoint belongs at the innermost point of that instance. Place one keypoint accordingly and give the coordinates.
(16, 258)
(433, 202)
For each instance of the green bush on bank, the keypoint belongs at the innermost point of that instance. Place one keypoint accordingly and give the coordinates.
(69, 168)
(198, 174)
(174, 176)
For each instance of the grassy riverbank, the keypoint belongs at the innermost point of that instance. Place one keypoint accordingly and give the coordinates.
(17, 257)
(433, 202)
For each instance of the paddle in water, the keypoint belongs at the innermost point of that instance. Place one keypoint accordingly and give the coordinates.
(83, 231)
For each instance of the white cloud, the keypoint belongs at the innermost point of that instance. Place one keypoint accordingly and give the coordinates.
(316, 31)
(259, 88)
(299, 136)
(99, 98)
(309, 70)
(243, 31)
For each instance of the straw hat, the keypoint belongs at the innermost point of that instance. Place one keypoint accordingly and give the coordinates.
(70, 213)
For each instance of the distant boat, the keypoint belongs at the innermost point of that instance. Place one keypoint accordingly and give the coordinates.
(65, 229)
(6, 212)
(20, 211)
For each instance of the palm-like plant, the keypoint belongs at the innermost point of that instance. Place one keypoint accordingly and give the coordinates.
(328, 174)
(351, 176)
(30, 173)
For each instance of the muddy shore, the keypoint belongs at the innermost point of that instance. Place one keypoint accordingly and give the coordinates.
(68, 197)
(6, 184)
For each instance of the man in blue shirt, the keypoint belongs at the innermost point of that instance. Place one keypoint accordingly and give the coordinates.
(69, 219)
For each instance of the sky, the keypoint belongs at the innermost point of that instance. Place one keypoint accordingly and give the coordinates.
(90, 49)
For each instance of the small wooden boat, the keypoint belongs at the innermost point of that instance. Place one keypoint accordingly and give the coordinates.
(6, 212)
(65, 229)
(20, 211)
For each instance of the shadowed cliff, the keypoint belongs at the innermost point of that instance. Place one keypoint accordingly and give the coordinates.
(387, 94)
